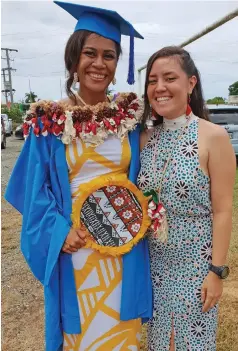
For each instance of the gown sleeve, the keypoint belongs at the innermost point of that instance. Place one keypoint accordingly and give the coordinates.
(44, 228)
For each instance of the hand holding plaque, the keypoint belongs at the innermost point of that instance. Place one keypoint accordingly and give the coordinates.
(114, 213)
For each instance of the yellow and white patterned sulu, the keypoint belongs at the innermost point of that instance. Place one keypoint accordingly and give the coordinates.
(99, 277)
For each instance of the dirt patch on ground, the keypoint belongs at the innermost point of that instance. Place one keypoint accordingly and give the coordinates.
(22, 295)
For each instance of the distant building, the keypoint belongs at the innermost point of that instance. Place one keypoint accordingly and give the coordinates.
(233, 100)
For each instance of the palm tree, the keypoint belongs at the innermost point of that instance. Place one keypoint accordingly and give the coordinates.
(30, 97)
(109, 91)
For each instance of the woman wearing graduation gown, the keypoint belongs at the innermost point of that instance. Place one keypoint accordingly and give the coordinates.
(93, 300)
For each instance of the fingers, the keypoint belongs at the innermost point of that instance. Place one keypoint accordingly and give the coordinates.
(81, 243)
(203, 295)
(210, 302)
(207, 303)
(81, 237)
(206, 297)
(72, 249)
(211, 291)
(81, 234)
(68, 248)
(214, 302)
(65, 247)
(74, 241)
(83, 228)
(66, 251)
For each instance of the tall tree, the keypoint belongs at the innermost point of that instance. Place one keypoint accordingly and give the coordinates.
(30, 97)
(233, 89)
(218, 100)
(109, 91)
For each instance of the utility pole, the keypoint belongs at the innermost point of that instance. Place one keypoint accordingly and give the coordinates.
(8, 84)
(4, 84)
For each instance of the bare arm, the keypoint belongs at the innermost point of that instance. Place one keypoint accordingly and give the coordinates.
(222, 167)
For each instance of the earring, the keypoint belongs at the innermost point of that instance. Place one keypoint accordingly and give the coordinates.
(188, 110)
(152, 114)
(189, 98)
(75, 80)
(114, 81)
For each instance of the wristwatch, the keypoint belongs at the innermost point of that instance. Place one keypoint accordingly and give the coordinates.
(221, 271)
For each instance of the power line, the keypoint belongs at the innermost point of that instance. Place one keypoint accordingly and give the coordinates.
(207, 30)
(42, 36)
(35, 57)
(40, 75)
(20, 33)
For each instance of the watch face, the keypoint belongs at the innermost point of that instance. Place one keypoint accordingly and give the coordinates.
(225, 272)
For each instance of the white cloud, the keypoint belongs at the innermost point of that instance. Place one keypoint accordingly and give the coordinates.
(39, 31)
(148, 28)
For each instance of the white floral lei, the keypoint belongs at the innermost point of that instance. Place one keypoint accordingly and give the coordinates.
(63, 126)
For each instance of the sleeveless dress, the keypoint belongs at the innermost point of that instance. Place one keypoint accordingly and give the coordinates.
(179, 267)
(99, 277)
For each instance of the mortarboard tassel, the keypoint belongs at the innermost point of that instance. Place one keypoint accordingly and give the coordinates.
(130, 78)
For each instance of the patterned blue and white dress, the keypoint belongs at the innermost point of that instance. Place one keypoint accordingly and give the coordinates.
(179, 267)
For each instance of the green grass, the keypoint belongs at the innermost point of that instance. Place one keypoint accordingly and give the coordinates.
(235, 201)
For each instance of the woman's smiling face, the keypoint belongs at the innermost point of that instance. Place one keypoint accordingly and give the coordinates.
(97, 63)
(168, 87)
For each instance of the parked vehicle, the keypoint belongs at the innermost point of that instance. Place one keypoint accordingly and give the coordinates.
(3, 135)
(19, 132)
(227, 117)
(7, 123)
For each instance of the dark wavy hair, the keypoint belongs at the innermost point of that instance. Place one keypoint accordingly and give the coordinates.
(197, 102)
(72, 54)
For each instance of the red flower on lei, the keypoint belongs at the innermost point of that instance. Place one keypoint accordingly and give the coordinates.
(47, 117)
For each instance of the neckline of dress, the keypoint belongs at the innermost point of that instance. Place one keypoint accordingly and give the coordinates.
(177, 123)
(84, 103)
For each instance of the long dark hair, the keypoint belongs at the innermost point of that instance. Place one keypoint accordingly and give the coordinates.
(188, 66)
(72, 54)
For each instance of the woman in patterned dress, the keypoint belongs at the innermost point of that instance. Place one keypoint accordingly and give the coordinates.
(93, 301)
(98, 277)
(191, 164)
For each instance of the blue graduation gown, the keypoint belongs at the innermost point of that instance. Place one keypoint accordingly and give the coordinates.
(39, 189)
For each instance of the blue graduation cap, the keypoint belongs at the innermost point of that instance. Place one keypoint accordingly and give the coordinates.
(106, 23)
